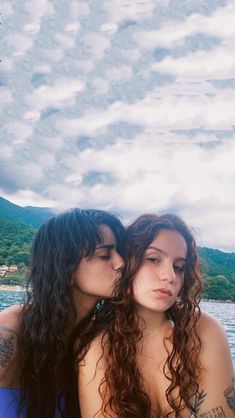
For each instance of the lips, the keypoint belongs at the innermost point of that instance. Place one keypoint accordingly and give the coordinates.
(164, 291)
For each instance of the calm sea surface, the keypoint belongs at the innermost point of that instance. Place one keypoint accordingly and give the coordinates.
(224, 312)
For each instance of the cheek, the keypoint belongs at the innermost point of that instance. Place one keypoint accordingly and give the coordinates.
(138, 286)
(180, 285)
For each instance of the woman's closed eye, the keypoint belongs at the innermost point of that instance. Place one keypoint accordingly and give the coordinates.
(153, 260)
(105, 256)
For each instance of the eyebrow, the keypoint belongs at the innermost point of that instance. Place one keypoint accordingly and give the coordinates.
(108, 246)
(151, 247)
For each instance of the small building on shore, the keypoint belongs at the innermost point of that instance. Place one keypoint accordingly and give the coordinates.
(4, 270)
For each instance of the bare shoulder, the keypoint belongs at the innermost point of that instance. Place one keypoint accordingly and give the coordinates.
(209, 327)
(91, 379)
(215, 351)
(10, 318)
(95, 356)
(216, 370)
(10, 324)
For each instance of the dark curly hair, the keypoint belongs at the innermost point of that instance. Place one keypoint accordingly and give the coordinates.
(49, 314)
(128, 398)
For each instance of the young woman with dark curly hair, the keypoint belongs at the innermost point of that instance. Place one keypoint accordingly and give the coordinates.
(159, 356)
(76, 259)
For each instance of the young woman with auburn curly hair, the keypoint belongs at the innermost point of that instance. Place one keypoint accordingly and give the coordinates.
(159, 356)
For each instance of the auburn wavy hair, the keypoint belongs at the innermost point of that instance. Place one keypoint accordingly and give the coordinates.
(128, 399)
(49, 314)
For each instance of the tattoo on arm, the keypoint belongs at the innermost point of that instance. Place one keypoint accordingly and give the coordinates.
(6, 349)
(199, 400)
(229, 394)
(217, 412)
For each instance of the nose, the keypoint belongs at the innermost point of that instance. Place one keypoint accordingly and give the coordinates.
(118, 261)
(167, 273)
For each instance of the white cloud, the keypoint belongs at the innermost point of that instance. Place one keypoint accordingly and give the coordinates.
(162, 111)
(79, 9)
(7, 64)
(44, 68)
(65, 41)
(100, 85)
(33, 28)
(37, 9)
(26, 197)
(118, 10)
(73, 27)
(19, 131)
(158, 169)
(109, 27)
(119, 73)
(62, 92)
(85, 65)
(96, 44)
(132, 55)
(6, 9)
(220, 23)
(7, 152)
(6, 96)
(19, 43)
(32, 116)
(152, 176)
(219, 63)
(46, 160)
(54, 55)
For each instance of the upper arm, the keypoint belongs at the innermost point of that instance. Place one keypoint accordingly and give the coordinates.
(90, 375)
(8, 347)
(216, 371)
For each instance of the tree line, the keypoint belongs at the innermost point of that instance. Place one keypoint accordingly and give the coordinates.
(218, 268)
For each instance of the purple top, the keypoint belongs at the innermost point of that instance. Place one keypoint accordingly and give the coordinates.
(9, 400)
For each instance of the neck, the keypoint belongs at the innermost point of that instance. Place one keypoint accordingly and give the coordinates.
(84, 304)
(151, 322)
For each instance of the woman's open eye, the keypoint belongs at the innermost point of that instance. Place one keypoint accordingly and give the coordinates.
(179, 269)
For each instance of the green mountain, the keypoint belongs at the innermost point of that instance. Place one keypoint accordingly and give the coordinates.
(16, 239)
(215, 262)
(18, 226)
(218, 270)
(27, 216)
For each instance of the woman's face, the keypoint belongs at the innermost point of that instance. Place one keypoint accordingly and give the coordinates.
(161, 275)
(96, 276)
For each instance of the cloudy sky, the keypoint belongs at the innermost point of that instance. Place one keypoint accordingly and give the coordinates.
(123, 105)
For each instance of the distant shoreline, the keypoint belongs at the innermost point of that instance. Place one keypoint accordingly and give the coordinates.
(217, 301)
(11, 288)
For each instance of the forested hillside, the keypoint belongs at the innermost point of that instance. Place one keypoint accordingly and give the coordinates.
(15, 242)
(19, 225)
(218, 270)
(28, 216)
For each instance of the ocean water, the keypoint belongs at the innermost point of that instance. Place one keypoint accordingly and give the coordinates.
(224, 312)
(8, 298)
